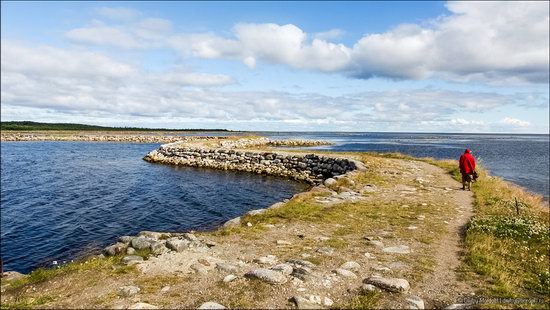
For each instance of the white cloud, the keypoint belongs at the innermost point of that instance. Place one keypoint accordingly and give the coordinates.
(118, 14)
(515, 122)
(495, 42)
(41, 82)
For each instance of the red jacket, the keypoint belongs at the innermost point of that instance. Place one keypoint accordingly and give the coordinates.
(467, 163)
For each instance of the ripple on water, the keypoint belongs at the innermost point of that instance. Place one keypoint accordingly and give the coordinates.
(59, 198)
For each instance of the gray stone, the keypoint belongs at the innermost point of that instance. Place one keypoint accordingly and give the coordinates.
(126, 239)
(283, 242)
(351, 265)
(211, 305)
(285, 269)
(329, 182)
(177, 245)
(415, 302)
(190, 237)
(276, 205)
(142, 305)
(266, 275)
(302, 303)
(226, 267)
(158, 248)
(236, 222)
(115, 249)
(199, 268)
(130, 251)
(140, 243)
(229, 278)
(132, 259)
(256, 212)
(400, 249)
(128, 291)
(327, 301)
(345, 273)
(389, 284)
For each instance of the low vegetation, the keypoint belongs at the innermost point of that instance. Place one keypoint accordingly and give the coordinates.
(32, 126)
(507, 241)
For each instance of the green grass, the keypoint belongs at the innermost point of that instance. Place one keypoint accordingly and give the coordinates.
(30, 126)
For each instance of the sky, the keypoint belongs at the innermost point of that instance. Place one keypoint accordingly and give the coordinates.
(431, 66)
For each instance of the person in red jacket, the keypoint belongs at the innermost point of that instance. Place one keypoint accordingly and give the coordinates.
(467, 165)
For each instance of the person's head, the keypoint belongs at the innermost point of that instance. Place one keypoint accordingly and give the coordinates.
(467, 151)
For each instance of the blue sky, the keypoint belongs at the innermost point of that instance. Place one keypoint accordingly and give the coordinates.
(341, 66)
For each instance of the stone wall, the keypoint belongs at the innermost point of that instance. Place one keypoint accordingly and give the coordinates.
(309, 168)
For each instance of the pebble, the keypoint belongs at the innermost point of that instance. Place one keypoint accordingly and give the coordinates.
(249, 224)
(266, 275)
(211, 305)
(229, 278)
(199, 268)
(412, 227)
(132, 259)
(327, 301)
(128, 291)
(165, 289)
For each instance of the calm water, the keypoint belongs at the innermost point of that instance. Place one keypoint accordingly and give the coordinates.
(522, 159)
(59, 197)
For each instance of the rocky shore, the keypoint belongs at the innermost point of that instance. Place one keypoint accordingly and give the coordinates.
(131, 138)
(310, 168)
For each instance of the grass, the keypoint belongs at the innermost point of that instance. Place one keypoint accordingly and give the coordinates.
(507, 241)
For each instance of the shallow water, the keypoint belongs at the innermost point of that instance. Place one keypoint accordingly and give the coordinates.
(522, 159)
(62, 198)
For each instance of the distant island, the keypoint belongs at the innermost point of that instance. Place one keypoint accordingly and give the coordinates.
(31, 126)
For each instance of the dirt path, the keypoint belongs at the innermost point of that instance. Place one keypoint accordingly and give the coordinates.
(444, 286)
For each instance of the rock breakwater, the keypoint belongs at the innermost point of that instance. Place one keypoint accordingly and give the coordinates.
(310, 168)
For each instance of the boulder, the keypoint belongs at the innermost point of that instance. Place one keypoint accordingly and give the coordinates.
(236, 222)
(176, 244)
(115, 249)
(266, 275)
(229, 278)
(415, 302)
(302, 303)
(390, 284)
(158, 248)
(329, 182)
(266, 260)
(12, 275)
(256, 212)
(140, 243)
(285, 269)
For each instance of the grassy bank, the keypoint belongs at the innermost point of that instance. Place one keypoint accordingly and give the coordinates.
(507, 241)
